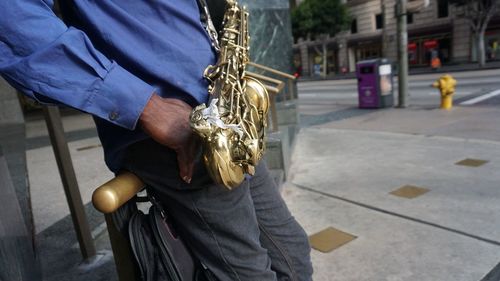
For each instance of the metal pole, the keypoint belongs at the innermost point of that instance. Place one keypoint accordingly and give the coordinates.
(291, 89)
(121, 252)
(402, 54)
(274, 114)
(68, 177)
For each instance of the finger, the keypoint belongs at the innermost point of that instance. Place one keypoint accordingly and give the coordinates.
(191, 154)
(190, 168)
(183, 163)
(185, 159)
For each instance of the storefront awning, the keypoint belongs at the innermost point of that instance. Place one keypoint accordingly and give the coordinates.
(431, 30)
(367, 40)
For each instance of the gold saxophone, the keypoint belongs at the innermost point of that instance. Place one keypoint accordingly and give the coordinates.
(232, 127)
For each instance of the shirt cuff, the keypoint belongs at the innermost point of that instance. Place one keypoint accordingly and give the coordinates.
(120, 98)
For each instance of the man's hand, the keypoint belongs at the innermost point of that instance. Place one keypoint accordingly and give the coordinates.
(167, 122)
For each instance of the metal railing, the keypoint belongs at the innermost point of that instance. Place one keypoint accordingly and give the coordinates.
(278, 87)
(107, 199)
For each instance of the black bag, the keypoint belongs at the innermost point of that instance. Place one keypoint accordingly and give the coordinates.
(159, 253)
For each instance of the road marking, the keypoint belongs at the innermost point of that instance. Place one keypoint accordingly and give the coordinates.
(481, 98)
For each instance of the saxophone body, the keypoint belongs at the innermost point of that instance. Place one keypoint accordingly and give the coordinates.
(232, 127)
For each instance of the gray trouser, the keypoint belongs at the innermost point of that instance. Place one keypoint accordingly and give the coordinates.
(245, 234)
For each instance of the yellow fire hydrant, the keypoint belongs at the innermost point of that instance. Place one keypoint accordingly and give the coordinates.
(446, 85)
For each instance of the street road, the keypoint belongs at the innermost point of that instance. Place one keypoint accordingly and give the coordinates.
(316, 97)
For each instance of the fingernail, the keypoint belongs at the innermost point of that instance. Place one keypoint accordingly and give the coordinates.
(187, 179)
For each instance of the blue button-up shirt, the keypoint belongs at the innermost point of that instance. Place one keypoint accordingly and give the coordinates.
(109, 61)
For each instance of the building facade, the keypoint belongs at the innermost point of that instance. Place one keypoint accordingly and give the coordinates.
(437, 30)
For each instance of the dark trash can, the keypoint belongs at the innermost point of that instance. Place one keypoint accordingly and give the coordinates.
(375, 83)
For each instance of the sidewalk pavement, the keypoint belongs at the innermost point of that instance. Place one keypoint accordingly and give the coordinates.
(344, 170)
(345, 164)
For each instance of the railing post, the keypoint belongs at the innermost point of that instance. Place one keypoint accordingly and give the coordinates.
(68, 178)
(108, 198)
(121, 252)
(274, 114)
(280, 83)
(291, 89)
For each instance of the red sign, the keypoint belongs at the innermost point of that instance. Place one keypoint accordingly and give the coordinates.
(412, 46)
(430, 44)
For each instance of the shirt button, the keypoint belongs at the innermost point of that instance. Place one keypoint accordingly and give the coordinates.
(113, 116)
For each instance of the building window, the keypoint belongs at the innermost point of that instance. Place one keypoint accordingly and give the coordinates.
(379, 21)
(354, 26)
(368, 52)
(409, 18)
(442, 8)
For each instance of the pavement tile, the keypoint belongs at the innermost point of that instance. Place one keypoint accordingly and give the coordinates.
(472, 162)
(409, 191)
(329, 239)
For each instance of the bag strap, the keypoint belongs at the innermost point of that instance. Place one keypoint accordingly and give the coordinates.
(175, 251)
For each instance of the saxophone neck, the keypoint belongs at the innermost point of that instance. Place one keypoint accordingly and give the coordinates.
(244, 36)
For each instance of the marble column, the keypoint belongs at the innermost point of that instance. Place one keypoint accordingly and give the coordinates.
(271, 33)
(271, 45)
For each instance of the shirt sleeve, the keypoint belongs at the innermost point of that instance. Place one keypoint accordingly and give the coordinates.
(42, 57)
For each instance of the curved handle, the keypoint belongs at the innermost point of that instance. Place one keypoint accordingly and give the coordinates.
(110, 196)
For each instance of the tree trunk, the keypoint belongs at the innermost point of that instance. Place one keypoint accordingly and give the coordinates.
(325, 63)
(481, 56)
